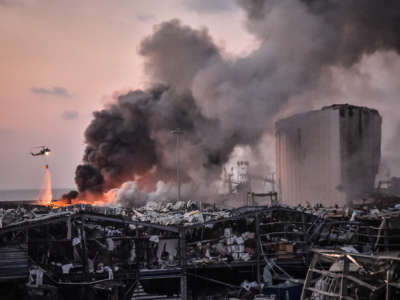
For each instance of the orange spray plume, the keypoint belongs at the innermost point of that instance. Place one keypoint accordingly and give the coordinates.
(46, 194)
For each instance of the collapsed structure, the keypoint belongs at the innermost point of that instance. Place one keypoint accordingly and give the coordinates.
(165, 250)
(340, 142)
(176, 251)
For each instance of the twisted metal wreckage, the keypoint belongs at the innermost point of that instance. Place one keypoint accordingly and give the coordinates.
(176, 251)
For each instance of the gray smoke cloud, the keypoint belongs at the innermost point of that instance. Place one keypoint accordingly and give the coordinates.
(132, 140)
(130, 194)
(175, 53)
(222, 104)
(372, 82)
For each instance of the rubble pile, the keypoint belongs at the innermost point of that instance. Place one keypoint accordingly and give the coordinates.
(167, 214)
(231, 247)
(109, 249)
(179, 213)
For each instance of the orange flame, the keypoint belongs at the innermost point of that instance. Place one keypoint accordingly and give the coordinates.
(87, 198)
(146, 182)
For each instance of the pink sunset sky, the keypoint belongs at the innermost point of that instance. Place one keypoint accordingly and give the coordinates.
(61, 60)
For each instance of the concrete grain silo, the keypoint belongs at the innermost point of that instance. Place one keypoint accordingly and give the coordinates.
(330, 156)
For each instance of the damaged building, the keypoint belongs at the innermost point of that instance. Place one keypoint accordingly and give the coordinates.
(300, 246)
(177, 251)
(340, 142)
(170, 251)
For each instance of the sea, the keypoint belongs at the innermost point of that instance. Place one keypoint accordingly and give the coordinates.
(27, 194)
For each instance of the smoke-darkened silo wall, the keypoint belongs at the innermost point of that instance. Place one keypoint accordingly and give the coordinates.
(319, 154)
(360, 140)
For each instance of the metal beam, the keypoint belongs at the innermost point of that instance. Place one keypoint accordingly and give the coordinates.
(125, 221)
(214, 280)
(33, 223)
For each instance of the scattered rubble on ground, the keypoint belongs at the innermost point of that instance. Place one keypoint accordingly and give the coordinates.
(175, 249)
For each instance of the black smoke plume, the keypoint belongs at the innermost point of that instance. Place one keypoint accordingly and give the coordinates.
(68, 197)
(132, 140)
(223, 103)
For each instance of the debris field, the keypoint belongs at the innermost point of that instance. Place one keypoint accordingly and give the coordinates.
(177, 251)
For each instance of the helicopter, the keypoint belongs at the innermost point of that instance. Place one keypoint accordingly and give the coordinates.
(44, 150)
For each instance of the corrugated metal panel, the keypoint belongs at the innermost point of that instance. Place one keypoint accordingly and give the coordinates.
(13, 263)
(308, 158)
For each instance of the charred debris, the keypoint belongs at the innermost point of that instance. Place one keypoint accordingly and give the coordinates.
(177, 251)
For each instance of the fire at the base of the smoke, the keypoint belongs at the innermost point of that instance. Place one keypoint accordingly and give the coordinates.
(129, 194)
(74, 197)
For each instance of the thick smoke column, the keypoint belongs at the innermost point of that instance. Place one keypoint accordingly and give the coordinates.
(220, 103)
(131, 140)
(299, 41)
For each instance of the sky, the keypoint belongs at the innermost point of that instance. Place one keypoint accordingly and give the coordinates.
(62, 60)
